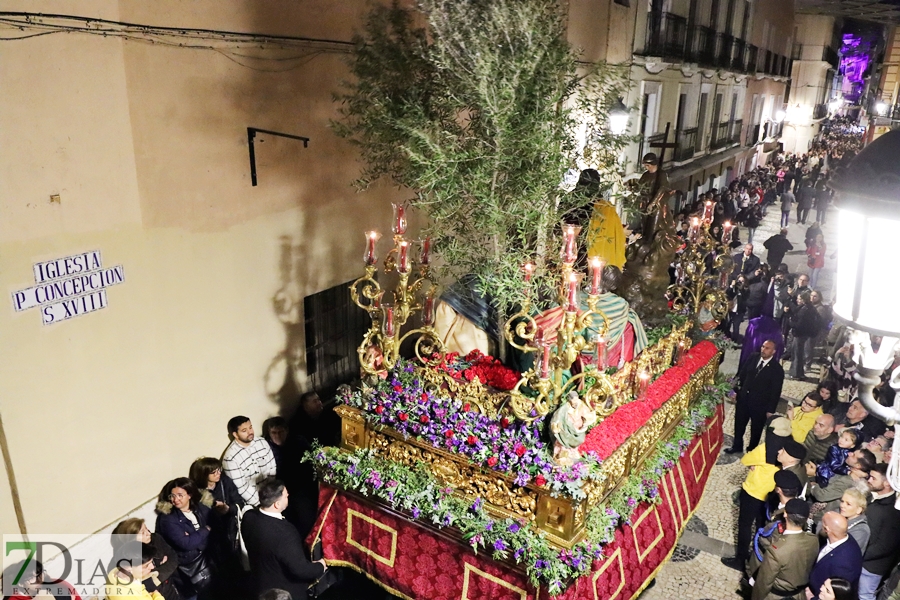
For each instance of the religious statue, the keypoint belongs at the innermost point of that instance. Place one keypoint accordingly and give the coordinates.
(646, 275)
(605, 233)
(569, 426)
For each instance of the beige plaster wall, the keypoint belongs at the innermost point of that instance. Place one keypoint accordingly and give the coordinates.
(146, 146)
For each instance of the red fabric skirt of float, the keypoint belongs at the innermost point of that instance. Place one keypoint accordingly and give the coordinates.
(412, 560)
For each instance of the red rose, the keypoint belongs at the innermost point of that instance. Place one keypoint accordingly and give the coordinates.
(472, 440)
(402, 416)
(467, 407)
(540, 480)
(492, 461)
(504, 422)
(424, 397)
(449, 433)
(520, 450)
(423, 419)
(379, 409)
(398, 388)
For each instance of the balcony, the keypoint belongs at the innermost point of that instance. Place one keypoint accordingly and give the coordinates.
(739, 55)
(687, 141)
(776, 129)
(752, 57)
(703, 45)
(735, 133)
(723, 50)
(720, 137)
(666, 35)
(753, 135)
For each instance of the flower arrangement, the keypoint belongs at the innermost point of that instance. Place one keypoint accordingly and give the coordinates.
(418, 494)
(486, 368)
(609, 434)
(401, 402)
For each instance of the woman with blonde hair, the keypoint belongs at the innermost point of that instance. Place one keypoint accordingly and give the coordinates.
(853, 508)
(162, 578)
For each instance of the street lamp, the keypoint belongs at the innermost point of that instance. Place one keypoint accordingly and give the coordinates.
(868, 203)
(881, 108)
(835, 104)
(780, 115)
(618, 118)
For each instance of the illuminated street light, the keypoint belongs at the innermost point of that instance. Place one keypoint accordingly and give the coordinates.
(881, 108)
(868, 203)
(618, 118)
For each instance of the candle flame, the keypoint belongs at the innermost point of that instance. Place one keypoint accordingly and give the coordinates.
(695, 221)
(373, 234)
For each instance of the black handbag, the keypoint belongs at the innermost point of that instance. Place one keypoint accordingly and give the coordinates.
(197, 573)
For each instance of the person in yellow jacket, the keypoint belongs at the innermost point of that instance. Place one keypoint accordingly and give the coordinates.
(802, 420)
(758, 484)
(605, 235)
(134, 562)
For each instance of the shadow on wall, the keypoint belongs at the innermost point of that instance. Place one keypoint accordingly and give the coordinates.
(289, 365)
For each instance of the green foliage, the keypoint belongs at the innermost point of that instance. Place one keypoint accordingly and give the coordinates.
(475, 106)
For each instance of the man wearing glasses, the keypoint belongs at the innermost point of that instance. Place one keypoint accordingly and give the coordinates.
(802, 420)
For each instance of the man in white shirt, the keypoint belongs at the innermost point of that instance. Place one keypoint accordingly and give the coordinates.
(248, 460)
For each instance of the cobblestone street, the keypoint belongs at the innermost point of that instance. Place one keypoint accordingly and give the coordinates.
(695, 572)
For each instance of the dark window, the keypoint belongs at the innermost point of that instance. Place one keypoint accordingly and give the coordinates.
(623, 3)
(334, 328)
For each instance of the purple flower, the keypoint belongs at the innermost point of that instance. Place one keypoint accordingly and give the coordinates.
(476, 506)
(499, 545)
(489, 526)
(518, 553)
(352, 470)
(514, 527)
(416, 512)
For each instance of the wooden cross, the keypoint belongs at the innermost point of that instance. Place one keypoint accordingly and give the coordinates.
(664, 144)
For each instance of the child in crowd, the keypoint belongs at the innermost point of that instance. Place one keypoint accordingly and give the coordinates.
(833, 463)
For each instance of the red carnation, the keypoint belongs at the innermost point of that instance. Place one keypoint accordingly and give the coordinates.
(398, 388)
(472, 440)
(423, 419)
(449, 433)
(379, 409)
(520, 450)
(540, 480)
(402, 416)
(467, 407)
(504, 422)
(492, 461)
(424, 397)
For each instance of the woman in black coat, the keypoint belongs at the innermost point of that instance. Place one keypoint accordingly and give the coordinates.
(183, 522)
(221, 495)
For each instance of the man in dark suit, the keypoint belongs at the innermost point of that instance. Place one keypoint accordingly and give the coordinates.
(274, 546)
(840, 557)
(745, 263)
(760, 379)
(883, 550)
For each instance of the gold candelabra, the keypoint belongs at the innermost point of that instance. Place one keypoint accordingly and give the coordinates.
(543, 387)
(701, 269)
(380, 348)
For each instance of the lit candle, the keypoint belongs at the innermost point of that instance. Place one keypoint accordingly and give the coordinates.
(726, 232)
(371, 239)
(596, 273)
(573, 292)
(545, 362)
(708, 211)
(694, 230)
(403, 262)
(399, 226)
(425, 258)
(643, 383)
(428, 310)
(570, 249)
(387, 320)
(528, 269)
(600, 352)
